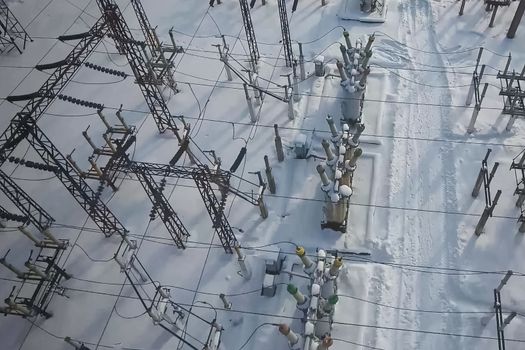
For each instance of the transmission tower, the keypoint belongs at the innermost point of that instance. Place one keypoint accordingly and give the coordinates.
(250, 33)
(33, 212)
(11, 31)
(285, 31)
(159, 64)
(24, 126)
(144, 75)
(169, 217)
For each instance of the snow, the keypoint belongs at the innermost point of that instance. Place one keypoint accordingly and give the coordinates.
(410, 203)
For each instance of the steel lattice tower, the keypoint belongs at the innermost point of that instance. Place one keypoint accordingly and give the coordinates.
(285, 31)
(144, 76)
(158, 63)
(11, 30)
(24, 126)
(250, 33)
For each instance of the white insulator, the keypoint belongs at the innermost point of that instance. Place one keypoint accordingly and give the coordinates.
(345, 190)
(342, 149)
(320, 268)
(338, 174)
(346, 127)
(314, 303)
(334, 197)
(316, 289)
(321, 254)
(309, 328)
(354, 73)
(155, 316)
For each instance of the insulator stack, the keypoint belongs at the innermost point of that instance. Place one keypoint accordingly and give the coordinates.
(31, 164)
(80, 102)
(121, 39)
(105, 70)
(12, 217)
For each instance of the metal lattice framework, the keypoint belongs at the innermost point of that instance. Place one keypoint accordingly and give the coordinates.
(39, 283)
(202, 176)
(144, 75)
(6, 215)
(34, 212)
(161, 66)
(40, 100)
(169, 217)
(250, 33)
(285, 31)
(512, 91)
(11, 31)
(24, 126)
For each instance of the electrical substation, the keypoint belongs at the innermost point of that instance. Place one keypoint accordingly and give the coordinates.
(245, 174)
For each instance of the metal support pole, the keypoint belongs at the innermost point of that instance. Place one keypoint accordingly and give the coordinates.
(278, 144)
(516, 20)
(241, 259)
(462, 7)
(301, 62)
(269, 176)
(262, 207)
(487, 212)
(253, 118)
(505, 279)
(296, 96)
(227, 304)
(508, 320)
(491, 24)
(291, 113)
(476, 110)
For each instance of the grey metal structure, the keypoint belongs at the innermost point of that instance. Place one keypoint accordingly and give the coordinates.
(12, 34)
(250, 33)
(158, 63)
(285, 32)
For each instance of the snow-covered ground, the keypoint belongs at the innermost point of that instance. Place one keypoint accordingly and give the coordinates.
(427, 283)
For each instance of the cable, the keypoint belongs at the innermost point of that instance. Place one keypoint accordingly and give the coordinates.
(411, 310)
(255, 331)
(394, 137)
(357, 344)
(476, 48)
(377, 206)
(129, 317)
(23, 179)
(356, 258)
(340, 323)
(89, 257)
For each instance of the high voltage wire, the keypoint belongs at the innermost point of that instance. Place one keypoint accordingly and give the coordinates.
(279, 316)
(367, 205)
(355, 257)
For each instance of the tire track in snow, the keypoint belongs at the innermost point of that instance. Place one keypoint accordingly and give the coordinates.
(437, 240)
(426, 180)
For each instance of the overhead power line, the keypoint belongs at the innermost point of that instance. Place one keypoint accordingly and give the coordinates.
(339, 323)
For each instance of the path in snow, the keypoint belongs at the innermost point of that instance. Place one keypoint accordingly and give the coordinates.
(423, 176)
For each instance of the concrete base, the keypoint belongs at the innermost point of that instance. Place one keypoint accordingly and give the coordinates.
(351, 10)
